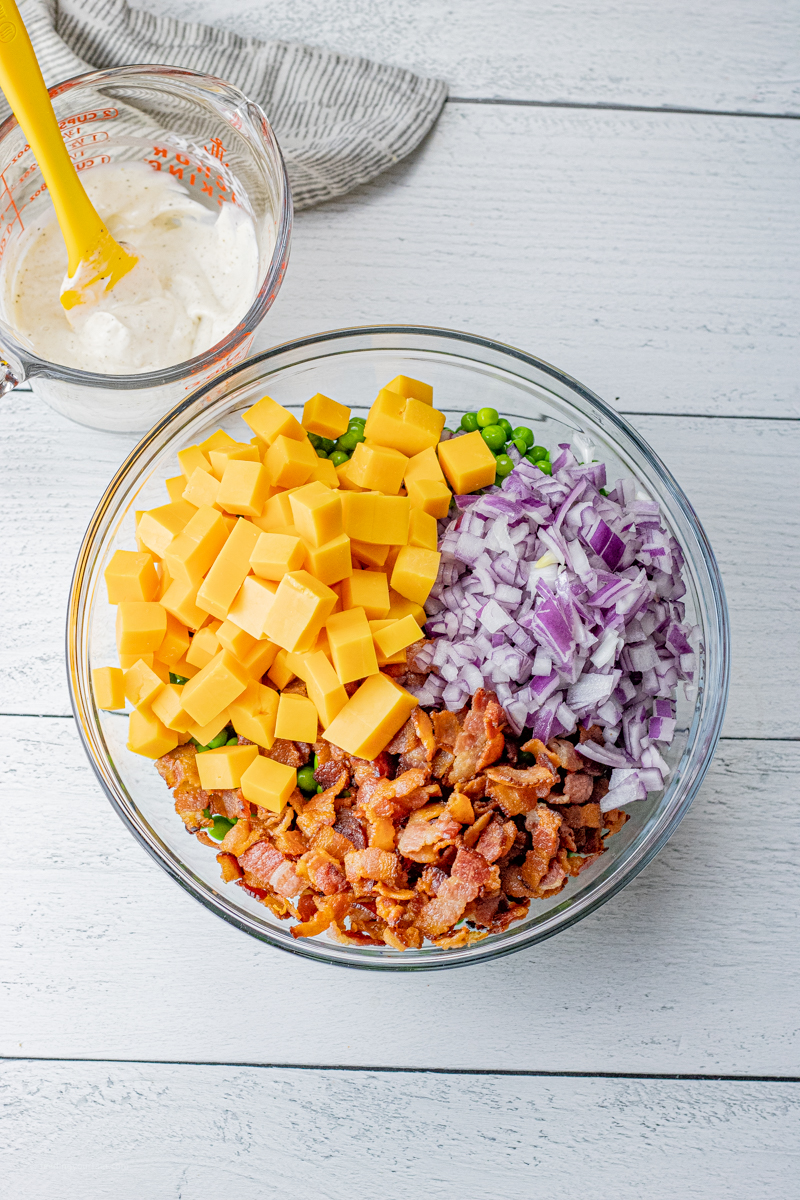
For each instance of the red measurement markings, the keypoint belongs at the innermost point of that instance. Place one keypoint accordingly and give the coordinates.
(9, 214)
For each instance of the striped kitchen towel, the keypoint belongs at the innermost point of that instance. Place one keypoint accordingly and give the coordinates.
(340, 120)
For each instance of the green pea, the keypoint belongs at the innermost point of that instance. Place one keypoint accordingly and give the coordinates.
(232, 741)
(603, 492)
(520, 445)
(215, 742)
(505, 465)
(469, 421)
(338, 457)
(525, 759)
(207, 813)
(314, 438)
(356, 423)
(506, 425)
(220, 827)
(305, 779)
(545, 466)
(320, 788)
(522, 431)
(537, 452)
(495, 437)
(320, 452)
(316, 761)
(348, 441)
(178, 678)
(488, 416)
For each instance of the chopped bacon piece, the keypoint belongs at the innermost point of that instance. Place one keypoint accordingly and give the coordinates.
(292, 842)
(333, 842)
(474, 832)
(480, 741)
(578, 787)
(332, 908)
(446, 728)
(420, 839)
(260, 861)
(363, 769)
(237, 838)
(614, 819)
(286, 752)
(229, 868)
(323, 872)
(320, 809)
(565, 752)
(285, 880)
(593, 734)
(372, 864)
(469, 873)
(518, 791)
(349, 826)
(496, 840)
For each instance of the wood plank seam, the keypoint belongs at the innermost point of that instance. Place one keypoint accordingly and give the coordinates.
(610, 106)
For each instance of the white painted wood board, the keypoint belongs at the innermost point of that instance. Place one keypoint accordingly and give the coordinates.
(103, 1130)
(691, 969)
(723, 54)
(741, 476)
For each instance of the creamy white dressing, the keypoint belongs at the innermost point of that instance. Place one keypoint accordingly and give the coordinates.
(196, 277)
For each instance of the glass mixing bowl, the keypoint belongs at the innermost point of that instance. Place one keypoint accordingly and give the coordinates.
(351, 365)
(211, 138)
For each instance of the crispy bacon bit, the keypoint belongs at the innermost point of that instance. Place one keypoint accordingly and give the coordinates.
(320, 809)
(332, 908)
(518, 791)
(323, 872)
(480, 741)
(421, 839)
(469, 873)
(496, 840)
(566, 754)
(372, 864)
(237, 838)
(349, 826)
(578, 788)
(229, 868)
(287, 753)
(260, 861)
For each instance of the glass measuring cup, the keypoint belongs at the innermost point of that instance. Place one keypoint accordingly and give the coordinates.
(200, 130)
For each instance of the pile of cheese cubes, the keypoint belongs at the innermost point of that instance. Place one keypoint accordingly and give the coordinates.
(268, 559)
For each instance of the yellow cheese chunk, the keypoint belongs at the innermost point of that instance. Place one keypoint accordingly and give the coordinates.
(148, 736)
(131, 575)
(190, 459)
(270, 421)
(281, 672)
(302, 605)
(430, 496)
(411, 389)
(141, 626)
(175, 642)
(371, 717)
(290, 462)
(222, 769)
(368, 590)
(325, 417)
(239, 450)
(371, 517)
(275, 554)
(204, 733)
(158, 526)
(191, 553)
(108, 687)
(316, 514)
(253, 714)
(260, 659)
(467, 462)
(230, 568)
(378, 468)
(176, 486)
(217, 441)
(183, 668)
(351, 645)
(180, 599)
(424, 465)
(422, 530)
(141, 683)
(399, 607)
(252, 606)
(268, 784)
(397, 636)
(126, 661)
(245, 488)
(202, 489)
(324, 687)
(231, 637)
(346, 484)
(415, 572)
(330, 562)
(369, 554)
(385, 660)
(324, 471)
(297, 718)
(408, 425)
(168, 707)
(277, 514)
(214, 687)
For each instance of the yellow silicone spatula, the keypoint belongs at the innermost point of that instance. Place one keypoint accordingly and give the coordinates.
(93, 253)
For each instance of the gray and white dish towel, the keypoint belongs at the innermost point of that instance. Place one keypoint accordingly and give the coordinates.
(340, 120)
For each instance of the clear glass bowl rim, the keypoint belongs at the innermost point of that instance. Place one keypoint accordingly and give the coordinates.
(717, 682)
(32, 365)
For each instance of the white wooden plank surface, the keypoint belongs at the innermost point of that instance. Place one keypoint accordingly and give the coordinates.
(127, 1132)
(723, 54)
(741, 476)
(691, 969)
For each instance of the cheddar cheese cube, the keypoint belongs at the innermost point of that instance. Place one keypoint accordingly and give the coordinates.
(325, 689)
(424, 465)
(214, 687)
(302, 605)
(396, 636)
(175, 642)
(168, 707)
(260, 659)
(346, 484)
(245, 488)
(218, 440)
(368, 553)
(204, 733)
(253, 714)
(368, 590)
(191, 553)
(108, 687)
(324, 471)
(180, 599)
(371, 717)
(270, 421)
(141, 683)
(126, 661)
(275, 554)
(422, 530)
(252, 606)
(222, 769)
(239, 450)
(330, 562)
(182, 667)
(141, 626)
(202, 489)
(131, 575)
(372, 517)
(149, 736)
(277, 514)
(430, 496)
(290, 462)
(317, 514)
(297, 718)
(399, 607)
(268, 783)
(230, 568)
(411, 389)
(351, 645)
(190, 459)
(467, 462)
(408, 425)
(176, 486)
(281, 672)
(231, 637)
(158, 526)
(378, 468)
(415, 572)
(385, 660)
(325, 417)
